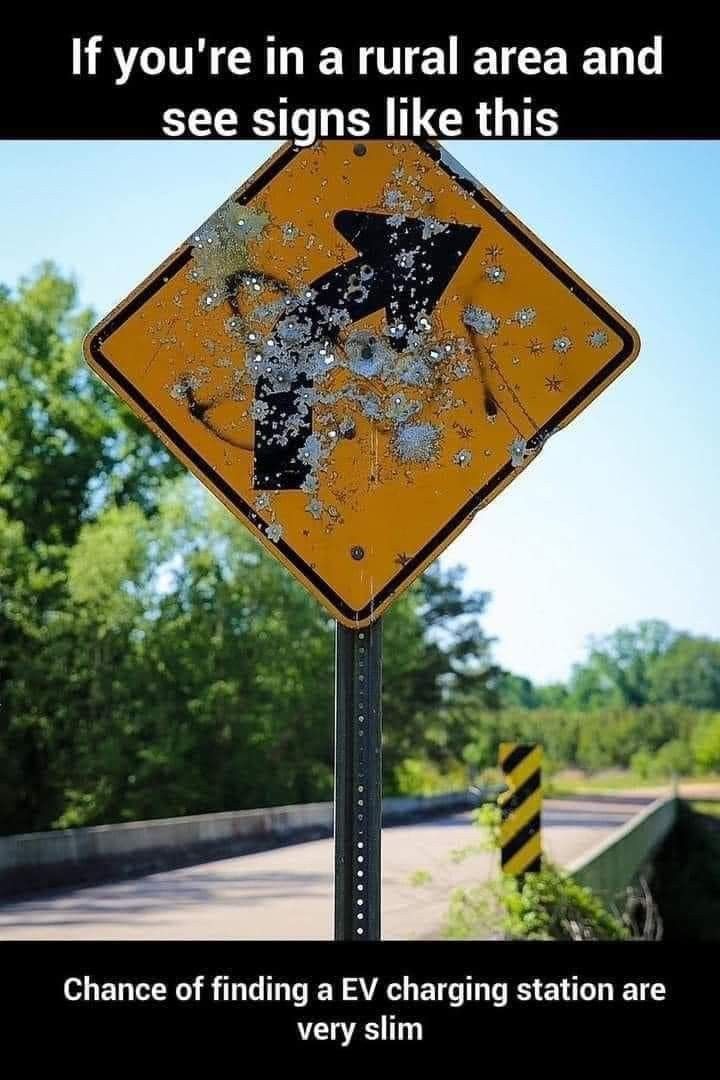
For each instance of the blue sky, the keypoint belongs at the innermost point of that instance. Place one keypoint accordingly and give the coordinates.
(618, 519)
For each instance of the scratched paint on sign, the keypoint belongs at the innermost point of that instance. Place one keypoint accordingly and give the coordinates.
(356, 352)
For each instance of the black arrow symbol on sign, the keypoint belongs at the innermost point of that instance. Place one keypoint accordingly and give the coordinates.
(403, 265)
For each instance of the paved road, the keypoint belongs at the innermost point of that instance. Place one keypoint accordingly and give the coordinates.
(286, 893)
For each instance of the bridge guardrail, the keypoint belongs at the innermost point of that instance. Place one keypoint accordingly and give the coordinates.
(614, 864)
(35, 861)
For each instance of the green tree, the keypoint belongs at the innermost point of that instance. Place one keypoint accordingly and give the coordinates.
(674, 758)
(618, 668)
(66, 447)
(66, 451)
(154, 661)
(688, 673)
(438, 667)
(516, 691)
(706, 744)
(552, 696)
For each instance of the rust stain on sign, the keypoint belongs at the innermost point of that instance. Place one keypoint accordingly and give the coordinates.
(355, 353)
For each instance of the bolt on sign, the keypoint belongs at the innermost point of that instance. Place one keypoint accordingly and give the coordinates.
(521, 805)
(357, 352)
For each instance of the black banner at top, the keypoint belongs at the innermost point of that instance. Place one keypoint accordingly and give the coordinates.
(89, 81)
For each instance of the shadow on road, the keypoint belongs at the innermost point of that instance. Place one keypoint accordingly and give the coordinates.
(122, 903)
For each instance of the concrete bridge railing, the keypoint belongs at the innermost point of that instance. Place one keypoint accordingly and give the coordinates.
(43, 860)
(614, 864)
(36, 861)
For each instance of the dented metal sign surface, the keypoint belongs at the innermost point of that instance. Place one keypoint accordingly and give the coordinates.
(356, 352)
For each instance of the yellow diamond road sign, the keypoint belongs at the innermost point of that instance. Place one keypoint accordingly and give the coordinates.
(355, 353)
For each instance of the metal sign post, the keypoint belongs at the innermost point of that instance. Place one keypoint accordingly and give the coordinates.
(358, 782)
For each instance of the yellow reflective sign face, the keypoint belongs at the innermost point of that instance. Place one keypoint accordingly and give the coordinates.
(357, 352)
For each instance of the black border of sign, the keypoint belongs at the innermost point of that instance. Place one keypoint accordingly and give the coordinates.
(160, 278)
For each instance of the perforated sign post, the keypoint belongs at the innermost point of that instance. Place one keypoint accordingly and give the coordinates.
(355, 353)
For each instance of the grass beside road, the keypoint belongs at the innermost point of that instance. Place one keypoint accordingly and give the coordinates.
(574, 783)
(614, 781)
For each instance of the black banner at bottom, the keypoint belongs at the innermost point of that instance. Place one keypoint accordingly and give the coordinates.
(302, 996)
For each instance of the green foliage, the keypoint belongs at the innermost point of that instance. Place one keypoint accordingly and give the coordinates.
(153, 660)
(552, 906)
(653, 740)
(516, 691)
(548, 905)
(421, 776)
(647, 664)
(706, 744)
(688, 673)
(437, 666)
(674, 758)
(618, 669)
(420, 877)
(66, 448)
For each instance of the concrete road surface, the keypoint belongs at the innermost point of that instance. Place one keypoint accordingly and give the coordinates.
(287, 893)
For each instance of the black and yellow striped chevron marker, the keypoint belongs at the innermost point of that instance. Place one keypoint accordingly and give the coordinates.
(520, 838)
